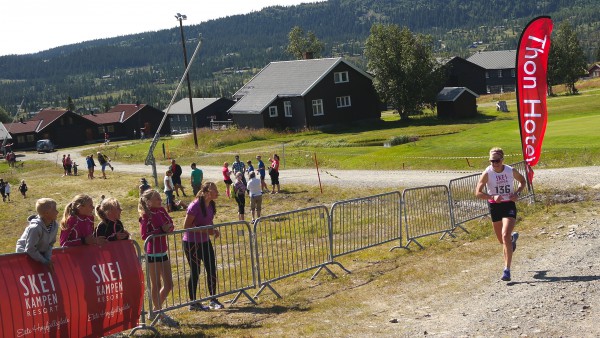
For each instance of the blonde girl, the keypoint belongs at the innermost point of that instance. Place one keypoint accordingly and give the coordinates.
(154, 220)
(77, 224)
(497, 186)
(110, 226)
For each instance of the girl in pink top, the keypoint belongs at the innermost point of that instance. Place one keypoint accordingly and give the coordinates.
(154, 220)
(274, 173)
(227, 178)
(77, 224)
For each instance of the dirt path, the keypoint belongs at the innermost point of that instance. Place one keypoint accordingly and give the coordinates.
(561, 178)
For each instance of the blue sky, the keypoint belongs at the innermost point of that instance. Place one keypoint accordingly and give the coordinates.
(29, 26)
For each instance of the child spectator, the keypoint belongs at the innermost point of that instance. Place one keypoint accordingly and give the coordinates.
(239, 189)
(143, 186)
(77, 224)
(110, 226)
(250, 168)
(74, 168)
(154, 220)
(168, 181)
(2, 185)
(40, 235)
(7, 190)
(23, 188)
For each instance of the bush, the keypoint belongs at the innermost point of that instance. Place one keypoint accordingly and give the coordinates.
(396, 140)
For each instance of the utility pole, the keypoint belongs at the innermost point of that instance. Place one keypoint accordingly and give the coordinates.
(180, 18)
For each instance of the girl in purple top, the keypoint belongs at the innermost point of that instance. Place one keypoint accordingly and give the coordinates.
(197, 245)
(154, 220)
(77, 224)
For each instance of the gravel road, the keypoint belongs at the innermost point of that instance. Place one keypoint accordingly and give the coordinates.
(561, 178)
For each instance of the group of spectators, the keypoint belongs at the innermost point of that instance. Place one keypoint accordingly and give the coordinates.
(255, 185)
(5, 189)
(104, 162)
(78, 227)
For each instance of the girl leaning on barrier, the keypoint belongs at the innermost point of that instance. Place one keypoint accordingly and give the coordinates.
(154, 220)
(498, 179)
(197, 245)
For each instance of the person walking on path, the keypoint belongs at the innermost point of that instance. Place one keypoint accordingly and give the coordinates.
(498, 180)
(255, 191)
(262, 173)
(238, 167)
(274, 173)
(176, 170)
(197, 245)
(196, 178)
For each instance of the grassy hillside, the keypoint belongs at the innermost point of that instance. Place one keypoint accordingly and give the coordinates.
(571, 140)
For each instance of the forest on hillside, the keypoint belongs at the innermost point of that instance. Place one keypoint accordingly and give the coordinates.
(146, 67)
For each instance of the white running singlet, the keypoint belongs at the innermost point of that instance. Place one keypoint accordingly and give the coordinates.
(500, 183)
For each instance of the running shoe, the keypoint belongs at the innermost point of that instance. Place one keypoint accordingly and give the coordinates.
(506, 275)
(515, 236)
(215, 304)
(198, 307)
(168, 321)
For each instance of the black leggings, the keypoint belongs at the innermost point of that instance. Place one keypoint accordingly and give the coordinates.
(194, 252)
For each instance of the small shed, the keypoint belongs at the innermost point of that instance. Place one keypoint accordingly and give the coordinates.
(456, 102)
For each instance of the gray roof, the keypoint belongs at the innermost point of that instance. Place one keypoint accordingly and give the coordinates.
(283, 79)
(499, 59)
(453, 93)
(4, 133)
(183, 106)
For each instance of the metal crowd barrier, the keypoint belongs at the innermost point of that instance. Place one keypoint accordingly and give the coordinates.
(365, 222)
(142, 323)
(234, 267)
(427, 212)
(290, 243)
(528, 192)
(465, 206)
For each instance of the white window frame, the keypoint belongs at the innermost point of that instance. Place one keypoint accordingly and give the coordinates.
(341, 77)
(343, 101)
(287, 108)
(499, 73)
(487, 74)
(317, 107)
(273, 111)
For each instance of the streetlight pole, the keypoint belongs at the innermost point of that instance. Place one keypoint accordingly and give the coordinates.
(180, 18)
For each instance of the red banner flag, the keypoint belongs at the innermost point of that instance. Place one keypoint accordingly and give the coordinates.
(532, 86)
(94, 291)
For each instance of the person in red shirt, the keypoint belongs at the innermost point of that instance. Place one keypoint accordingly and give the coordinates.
(227, 178)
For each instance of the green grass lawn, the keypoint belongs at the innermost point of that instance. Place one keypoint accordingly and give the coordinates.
(437, 144)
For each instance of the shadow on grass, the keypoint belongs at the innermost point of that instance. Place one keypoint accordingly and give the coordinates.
(542, 277)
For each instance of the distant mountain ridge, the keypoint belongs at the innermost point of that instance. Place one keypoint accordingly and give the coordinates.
(144, 67)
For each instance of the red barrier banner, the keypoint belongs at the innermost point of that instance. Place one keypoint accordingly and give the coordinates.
(94, 291)
(532, 85)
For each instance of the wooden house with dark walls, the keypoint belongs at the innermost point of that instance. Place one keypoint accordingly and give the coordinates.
(305, 94)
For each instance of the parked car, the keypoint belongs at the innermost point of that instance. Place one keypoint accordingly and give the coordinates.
(44, 146)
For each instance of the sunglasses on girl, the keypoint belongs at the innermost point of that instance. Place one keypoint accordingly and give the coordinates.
(496, 161)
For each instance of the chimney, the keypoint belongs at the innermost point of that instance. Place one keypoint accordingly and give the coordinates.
(307, 55)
